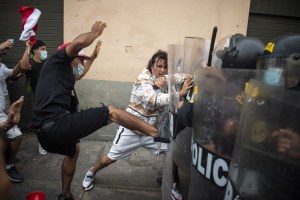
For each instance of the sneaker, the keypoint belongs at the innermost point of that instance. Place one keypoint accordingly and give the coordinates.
(63, 197)
(14, 175)
(175, 193)
(87, 182)
(41, 150)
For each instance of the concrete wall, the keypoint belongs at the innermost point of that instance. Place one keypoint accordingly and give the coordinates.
(92, 93)
(136, 29)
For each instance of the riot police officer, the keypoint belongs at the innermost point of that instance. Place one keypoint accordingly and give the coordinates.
(266, 157)
(285, 51)
(218, 93)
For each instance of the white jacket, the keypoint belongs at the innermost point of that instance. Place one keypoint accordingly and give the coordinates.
(146, 101)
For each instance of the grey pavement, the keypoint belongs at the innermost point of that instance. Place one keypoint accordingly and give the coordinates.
(132, 179)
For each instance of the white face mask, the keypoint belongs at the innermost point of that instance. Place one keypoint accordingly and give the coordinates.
(77, 71)
(43, 55)
(273, 76)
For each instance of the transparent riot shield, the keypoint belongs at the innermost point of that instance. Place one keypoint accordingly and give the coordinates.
(175, 74)
(175, 80)
(194, 51)
(218, 94)
(182, 59)
(266, 158)
(166, 186)
(195, 55)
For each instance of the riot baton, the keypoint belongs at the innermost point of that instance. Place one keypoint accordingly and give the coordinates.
(212, 44)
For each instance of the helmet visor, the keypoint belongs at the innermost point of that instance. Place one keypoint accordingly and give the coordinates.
(280, 71)
(220, 50)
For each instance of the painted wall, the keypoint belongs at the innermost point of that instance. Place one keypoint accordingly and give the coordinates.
(136, 29)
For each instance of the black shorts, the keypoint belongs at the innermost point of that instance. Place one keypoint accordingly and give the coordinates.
(62, 135)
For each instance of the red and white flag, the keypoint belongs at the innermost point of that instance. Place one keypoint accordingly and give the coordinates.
(30, 17)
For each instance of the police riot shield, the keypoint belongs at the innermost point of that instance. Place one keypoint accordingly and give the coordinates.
(218, 94)
(194, 51)
(182, 59)
(175, 79)
(195, 55)
(175, 74)
(266, 158)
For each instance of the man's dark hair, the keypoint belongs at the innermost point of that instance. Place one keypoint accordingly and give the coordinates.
(37, 44)
(159, 55)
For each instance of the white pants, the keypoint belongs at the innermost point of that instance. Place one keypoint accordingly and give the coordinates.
(12, 133)
(127, 141)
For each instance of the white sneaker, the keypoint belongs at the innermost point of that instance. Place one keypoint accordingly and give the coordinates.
(41, 150)
(175, 193)
(87, 182)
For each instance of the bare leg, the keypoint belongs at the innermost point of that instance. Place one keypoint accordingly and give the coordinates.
(6, 189)
(67, 172)
(103, 162)
(14, 147)
(131, 122)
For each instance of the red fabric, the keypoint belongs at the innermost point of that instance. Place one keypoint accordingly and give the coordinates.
(63, 45)
(32, 40)
(26, 12)
(81, 53)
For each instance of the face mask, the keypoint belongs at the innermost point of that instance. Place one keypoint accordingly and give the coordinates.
(273, 76)
(77, 71)
(43, 55)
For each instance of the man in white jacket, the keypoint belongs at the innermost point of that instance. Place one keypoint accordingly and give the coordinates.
(148, 101)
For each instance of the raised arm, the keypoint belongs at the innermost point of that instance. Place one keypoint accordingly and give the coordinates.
(23, 65)
(13, 115)
(85, 39)
(25, 59)
(88, 63)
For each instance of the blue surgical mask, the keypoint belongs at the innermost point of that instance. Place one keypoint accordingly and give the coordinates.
(273, 76)
(43, 55)
(77, 71)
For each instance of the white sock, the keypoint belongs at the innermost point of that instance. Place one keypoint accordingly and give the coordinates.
(174, 185)
(8, 166)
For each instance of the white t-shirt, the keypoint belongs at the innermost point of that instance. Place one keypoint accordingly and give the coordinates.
(4, 74)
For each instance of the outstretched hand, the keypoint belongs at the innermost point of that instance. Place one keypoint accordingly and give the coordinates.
(96, 50)
(98, 27)
(14, 112)
(7, 44)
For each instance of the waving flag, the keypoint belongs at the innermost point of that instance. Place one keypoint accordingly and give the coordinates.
(30, 17)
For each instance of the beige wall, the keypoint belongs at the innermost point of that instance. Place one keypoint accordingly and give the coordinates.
(137, 28)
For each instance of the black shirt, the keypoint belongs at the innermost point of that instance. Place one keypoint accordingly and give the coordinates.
(53, 91)
(34, 73)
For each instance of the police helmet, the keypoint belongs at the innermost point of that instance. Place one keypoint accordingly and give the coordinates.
(237, 51)
(283, 46)
(281, 61)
